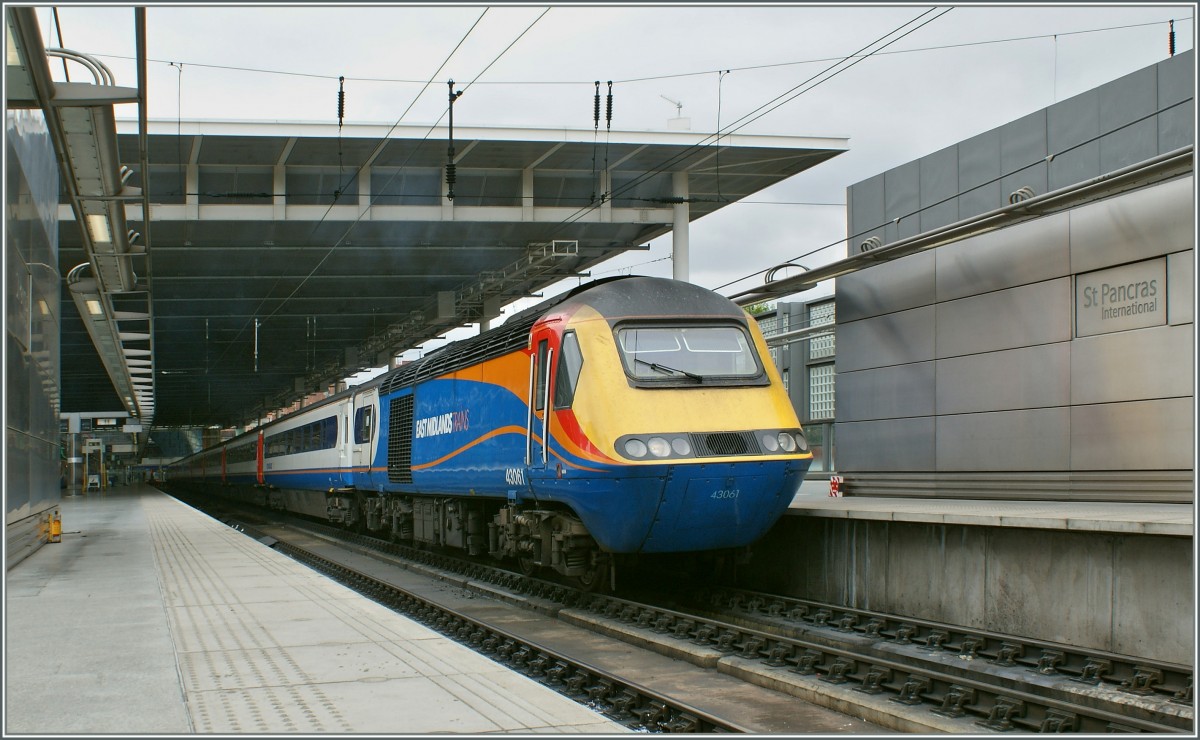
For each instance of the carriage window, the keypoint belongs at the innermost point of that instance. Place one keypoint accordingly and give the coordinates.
(687, 352)
(569, 365)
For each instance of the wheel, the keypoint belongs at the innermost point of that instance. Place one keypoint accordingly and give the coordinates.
(595, 579)
(527, 566)
(360, 518)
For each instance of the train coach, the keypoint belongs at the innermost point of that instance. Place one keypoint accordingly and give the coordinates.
(629, 416)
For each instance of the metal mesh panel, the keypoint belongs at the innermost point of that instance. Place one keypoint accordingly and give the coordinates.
(400, 430)
(725, 443)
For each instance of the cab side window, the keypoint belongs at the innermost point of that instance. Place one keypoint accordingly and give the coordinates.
(539, 388)
(570, 362)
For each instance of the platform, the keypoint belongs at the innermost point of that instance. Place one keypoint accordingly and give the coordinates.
(151, 618)
(1085, 516)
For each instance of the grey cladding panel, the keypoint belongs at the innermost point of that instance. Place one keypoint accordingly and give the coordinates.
(892, 286)
(1176, 79)
(1128, 99)
(1035, 439)
(939, 186)
(1019, 317)
(885, 393)
(1025, 378)
(1181, 287)
(1075, 165)
(891, 339)
(895, 445)
(1023, 143)
(1131, 144)
(902, 200)
(1073, 122)
(1028, 252)
(1034, 177)
(979, 174)
(1144, 223)
(1072, 128)
(1140, 435)
(866, 212)
(1176, 128)
(1133, 365)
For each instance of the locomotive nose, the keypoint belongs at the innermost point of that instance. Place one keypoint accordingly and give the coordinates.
(720, 506)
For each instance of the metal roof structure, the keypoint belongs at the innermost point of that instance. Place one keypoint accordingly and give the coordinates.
(285, 256)
(281, 257)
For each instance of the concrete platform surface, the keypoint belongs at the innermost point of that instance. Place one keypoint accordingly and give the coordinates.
(1088, 516)
(152, 618)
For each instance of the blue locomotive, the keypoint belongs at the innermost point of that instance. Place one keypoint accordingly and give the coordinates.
(630, 415)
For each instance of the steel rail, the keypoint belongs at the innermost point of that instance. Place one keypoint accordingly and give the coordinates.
(999, 702)
(1135, 676)
(909, 681)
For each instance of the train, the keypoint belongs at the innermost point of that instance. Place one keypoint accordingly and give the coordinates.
(629, 416)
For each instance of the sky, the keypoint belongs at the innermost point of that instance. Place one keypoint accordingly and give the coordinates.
(952, 71)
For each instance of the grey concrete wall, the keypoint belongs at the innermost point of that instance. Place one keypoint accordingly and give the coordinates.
(1127, 594)
(980, 357)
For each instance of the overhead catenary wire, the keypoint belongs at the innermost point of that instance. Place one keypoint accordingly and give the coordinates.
(595, 137)
(668, 76)
(607, 137)
(770, 106)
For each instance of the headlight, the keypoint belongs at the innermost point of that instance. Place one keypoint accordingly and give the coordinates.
(802, 441)
(681, 446)
(787, 442)
(770, 443)
(659, 447)
(635, 448)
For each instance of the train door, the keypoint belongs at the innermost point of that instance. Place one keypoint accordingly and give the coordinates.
(539, 429)
(363, 431)
(258, 457)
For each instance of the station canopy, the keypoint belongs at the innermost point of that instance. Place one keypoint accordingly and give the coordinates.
(281, 257)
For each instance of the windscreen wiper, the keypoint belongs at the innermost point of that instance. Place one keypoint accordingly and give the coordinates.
(666, 369)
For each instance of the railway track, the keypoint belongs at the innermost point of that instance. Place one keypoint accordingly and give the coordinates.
(907, 674)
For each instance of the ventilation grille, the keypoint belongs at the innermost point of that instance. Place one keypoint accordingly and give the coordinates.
(400, 428)
(719, 444)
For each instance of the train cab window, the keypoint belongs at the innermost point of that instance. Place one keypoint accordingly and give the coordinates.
(570, 362)
(539, 389)
(363, 424)
(687, 353)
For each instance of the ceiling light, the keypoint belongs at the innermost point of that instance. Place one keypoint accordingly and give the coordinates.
(98, 227)
(14, 59)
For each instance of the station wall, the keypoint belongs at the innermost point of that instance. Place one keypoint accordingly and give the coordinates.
(1051, 359)
(32, 286)
(1121, 593)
